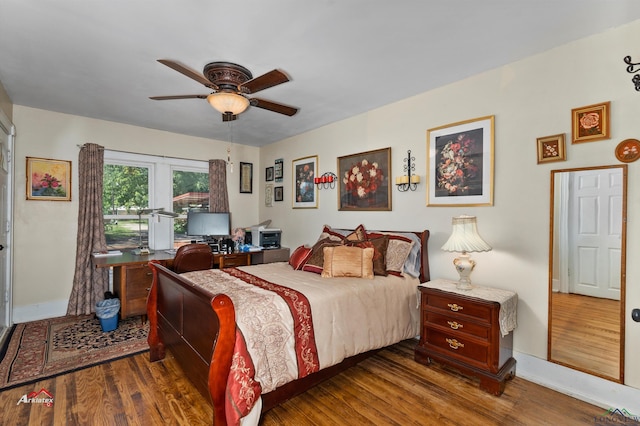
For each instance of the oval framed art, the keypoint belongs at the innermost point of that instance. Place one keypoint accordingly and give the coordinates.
(628, 150)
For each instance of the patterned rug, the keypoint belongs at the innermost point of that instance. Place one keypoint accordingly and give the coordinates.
(41, 349)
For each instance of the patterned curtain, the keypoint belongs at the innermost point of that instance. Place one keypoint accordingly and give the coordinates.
(89, 283)
(218, 196)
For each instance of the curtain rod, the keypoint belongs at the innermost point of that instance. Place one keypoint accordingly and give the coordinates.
(141, 153)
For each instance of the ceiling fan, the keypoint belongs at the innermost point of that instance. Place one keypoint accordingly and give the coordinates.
(230, 84)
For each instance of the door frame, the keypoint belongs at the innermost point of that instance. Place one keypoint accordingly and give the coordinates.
(7, 127)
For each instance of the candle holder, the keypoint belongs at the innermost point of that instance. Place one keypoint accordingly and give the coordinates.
(633, 68)
(410, 180)
(326, 181)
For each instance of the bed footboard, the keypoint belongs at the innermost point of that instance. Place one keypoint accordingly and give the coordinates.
(198, 328)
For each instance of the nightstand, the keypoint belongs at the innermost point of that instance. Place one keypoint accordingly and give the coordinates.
(469, 330)
(231, 260)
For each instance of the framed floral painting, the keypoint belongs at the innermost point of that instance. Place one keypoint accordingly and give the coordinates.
(591, 123)
(305, 192)
(364, 180)
(48, 180)
(460, 163)
(551, 148)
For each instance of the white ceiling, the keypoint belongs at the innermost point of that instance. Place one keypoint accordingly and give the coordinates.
(98, 58)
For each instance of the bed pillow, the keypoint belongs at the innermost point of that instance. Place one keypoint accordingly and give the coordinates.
(398, 251)
(299, 257)
(379, 246)
(348, 261)
(315, 260)
(358, 234)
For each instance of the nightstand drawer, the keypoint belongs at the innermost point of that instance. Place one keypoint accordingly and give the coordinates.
(459, 305)
(457, 345)
(461, 325)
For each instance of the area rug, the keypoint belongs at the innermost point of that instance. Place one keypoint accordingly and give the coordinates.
(41, 349)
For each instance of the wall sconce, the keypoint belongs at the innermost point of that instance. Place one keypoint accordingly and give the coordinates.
(631, 70)
(410, 180)
(326, 180)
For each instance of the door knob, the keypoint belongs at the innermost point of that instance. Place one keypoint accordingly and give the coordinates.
(1, 247)
(635, 315)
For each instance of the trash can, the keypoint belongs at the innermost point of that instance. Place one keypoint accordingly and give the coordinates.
(107, 312)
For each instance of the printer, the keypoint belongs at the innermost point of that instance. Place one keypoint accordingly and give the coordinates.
(268, 238)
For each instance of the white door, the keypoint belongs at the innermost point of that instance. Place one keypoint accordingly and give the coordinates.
(6, 197)
(595, 237)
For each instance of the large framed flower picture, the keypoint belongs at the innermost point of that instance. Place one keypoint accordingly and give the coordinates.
(364, 180)
(48, 180)
(590, 123)
(460, 164)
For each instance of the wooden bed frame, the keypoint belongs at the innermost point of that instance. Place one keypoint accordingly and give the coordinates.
(199, 329)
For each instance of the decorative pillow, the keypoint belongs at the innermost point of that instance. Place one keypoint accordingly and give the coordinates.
(358, 234)
(316, 258)
(346, 261)
(398, 251)
(379, 246)
(299, 257)
(331, 233)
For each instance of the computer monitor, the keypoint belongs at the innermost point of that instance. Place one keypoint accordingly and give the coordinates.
(208, 224)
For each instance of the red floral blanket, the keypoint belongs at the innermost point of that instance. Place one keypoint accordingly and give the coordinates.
(275, 341)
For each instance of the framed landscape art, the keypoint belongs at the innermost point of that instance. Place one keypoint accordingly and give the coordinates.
(460, 163)
(48, 180)
(363, 181)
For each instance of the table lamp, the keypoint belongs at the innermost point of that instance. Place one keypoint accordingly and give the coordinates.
(465, 239)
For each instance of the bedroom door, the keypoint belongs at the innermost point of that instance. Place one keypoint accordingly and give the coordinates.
(595, 237)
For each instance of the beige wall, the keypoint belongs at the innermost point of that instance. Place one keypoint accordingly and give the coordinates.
(45, 232)
(530, 99)
(6, 106)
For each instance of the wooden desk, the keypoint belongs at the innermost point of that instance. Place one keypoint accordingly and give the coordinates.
(132, 278)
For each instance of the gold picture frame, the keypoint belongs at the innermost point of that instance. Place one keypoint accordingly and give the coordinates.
(48, 180)
(363, 181)
(551, 148)
(460, 163)
(591, 123)
(305, 192)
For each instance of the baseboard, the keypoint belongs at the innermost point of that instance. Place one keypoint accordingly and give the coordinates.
(38, 311)
(585, 387)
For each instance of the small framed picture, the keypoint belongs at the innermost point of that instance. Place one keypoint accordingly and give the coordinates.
(268, 173)
(305, 193)
(278, 193)
(246, 178)
(591, 123)
(628, 150)
(278, 173)
(551, 148)
(268, 195)
(48, 180)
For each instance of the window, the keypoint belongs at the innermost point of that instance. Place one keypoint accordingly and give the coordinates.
(135, 186)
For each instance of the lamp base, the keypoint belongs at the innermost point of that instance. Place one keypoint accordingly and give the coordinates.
(464, 265)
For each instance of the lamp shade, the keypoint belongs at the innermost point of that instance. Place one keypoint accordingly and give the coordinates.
(228, 102)
(464, 237)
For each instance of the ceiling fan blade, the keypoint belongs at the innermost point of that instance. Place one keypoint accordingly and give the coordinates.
(165, 98)
(273, 106)
(270, 79)
(189, 73)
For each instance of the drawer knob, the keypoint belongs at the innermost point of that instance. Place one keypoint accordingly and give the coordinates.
(454, 344)
(454, 325)
(455, 307)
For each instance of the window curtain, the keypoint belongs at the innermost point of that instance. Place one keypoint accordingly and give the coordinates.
(89, 283)
(218, 196)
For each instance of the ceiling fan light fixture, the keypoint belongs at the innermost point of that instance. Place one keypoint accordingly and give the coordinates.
(228, 102)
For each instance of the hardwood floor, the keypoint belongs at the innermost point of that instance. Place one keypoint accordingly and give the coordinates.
(591, 325)
(386, 389)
